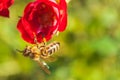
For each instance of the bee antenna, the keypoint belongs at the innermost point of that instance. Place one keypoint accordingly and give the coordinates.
(19, 51)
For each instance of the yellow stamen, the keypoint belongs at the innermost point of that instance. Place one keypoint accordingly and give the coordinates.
(58, 1)
(68, 1)
(57, 33)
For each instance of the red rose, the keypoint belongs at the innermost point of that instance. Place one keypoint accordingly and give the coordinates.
(42, 18)
(4, 5)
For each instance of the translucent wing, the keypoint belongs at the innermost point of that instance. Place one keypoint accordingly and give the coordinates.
(50, 59)
(44, 66)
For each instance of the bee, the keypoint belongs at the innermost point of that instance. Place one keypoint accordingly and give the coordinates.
(41, 52)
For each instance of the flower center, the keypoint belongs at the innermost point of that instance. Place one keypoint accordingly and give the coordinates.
(46, 15)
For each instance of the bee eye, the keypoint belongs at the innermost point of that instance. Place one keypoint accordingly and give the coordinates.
(26, 52)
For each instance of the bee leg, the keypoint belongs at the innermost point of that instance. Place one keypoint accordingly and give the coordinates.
(35, 39)
(44, 41)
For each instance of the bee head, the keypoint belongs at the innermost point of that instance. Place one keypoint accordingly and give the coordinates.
(27, 51)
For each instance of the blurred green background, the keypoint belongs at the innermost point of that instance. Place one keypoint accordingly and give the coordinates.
(90, 46)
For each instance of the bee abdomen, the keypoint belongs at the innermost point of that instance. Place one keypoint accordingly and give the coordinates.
(52, 48)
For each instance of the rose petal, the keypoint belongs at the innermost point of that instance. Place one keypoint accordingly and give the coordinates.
(4, 5)
(4, 13)
(42, 18)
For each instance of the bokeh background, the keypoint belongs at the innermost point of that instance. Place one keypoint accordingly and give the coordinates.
(90, 46)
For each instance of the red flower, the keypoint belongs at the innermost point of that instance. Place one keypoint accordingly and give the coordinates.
(4, 5)
(42, 18)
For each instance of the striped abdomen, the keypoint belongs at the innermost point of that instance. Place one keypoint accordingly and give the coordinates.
(50, 49)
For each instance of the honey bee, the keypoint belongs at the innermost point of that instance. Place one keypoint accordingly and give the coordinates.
(41, 52)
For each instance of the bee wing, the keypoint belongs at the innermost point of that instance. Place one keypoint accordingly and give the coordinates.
(50, 59)
(44, 66)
